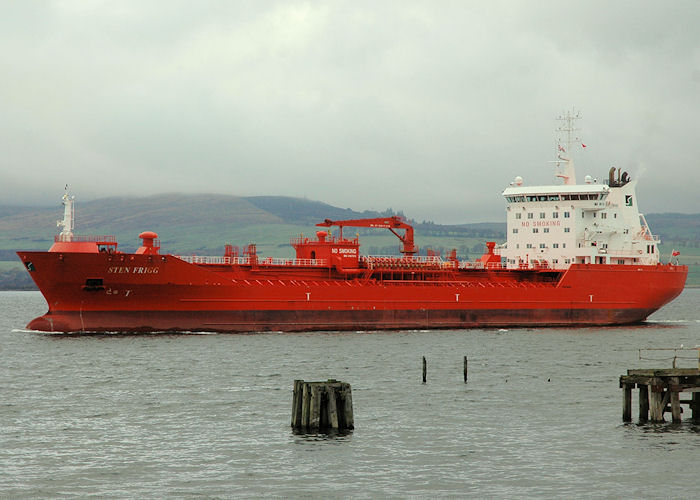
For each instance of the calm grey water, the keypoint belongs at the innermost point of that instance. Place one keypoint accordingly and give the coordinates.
(207, 416)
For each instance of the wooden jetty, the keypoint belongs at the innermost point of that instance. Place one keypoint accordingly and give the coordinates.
(660, 392)
(319, 406)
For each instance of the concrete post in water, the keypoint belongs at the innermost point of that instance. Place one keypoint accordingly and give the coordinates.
(319, 406)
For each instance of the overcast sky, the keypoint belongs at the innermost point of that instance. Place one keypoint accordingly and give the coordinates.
(432, 107)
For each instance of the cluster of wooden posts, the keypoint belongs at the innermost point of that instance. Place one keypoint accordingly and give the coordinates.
(659, 392)
(318, 406)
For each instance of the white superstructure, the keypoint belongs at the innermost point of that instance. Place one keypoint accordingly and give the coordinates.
(592, 223)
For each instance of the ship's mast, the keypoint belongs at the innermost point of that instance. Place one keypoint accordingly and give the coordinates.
(568, 172)
(66, 233)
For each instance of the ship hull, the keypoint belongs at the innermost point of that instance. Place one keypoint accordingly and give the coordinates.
(139, 293)
(291, 321)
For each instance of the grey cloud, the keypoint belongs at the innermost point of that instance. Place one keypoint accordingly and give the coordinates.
(428, 107)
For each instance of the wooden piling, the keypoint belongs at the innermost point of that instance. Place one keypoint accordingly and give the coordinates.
(675, 399)
(346, 418)
(319, 406)
(306, 404)
(627, 402)
(466, 369)
(333, 421)
(656, 412)
(425, 369)
(315, 408)
(297, 403)
(643, 403)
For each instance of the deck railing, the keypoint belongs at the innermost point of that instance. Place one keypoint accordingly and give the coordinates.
(89, 238)
(245, 261)
(371, 262)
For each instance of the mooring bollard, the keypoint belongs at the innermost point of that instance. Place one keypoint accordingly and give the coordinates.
(425, 369)
(322, 406)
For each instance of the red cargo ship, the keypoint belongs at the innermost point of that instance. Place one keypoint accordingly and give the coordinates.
(576, 254)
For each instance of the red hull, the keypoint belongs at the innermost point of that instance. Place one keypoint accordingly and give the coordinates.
(130, 292)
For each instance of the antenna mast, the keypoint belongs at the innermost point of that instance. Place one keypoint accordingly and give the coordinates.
(68, 221)
(564, 154)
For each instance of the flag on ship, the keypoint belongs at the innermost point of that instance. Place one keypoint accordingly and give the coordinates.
(675, 253)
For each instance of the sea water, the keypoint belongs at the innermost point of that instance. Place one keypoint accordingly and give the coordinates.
(208, 415)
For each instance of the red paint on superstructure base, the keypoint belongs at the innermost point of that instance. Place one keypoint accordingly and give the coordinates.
(168, 294)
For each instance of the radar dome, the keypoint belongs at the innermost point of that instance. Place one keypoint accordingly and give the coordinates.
(518, 181)
(588, 179)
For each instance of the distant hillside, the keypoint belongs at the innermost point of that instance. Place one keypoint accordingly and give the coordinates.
(196, 221)
(676, 227)
(303, 211)
(130, 212)
(204, 220)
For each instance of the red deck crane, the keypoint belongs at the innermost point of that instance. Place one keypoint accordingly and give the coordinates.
(390, 223)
